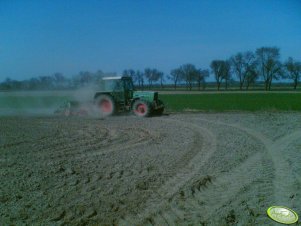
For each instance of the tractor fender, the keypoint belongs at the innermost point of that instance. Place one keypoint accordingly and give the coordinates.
(133, 101)
(138, 98)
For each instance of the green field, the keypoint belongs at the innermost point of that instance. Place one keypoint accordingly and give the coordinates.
(48, 101)
(233, 102)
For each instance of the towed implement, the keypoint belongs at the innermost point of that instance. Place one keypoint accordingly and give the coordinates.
(116, 95)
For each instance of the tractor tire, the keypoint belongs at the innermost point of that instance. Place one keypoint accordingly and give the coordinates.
(160, 110)
(105, 105)
(141, 108)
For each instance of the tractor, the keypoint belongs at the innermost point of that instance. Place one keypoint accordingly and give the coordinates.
(116, 95)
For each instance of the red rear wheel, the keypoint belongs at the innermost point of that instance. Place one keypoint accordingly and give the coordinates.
(105, 104)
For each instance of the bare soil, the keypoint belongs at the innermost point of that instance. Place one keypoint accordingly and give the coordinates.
(181, 169)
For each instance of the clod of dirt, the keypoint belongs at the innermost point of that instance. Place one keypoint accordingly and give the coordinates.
(58, 215)
(90, 213)
(231, 218)
(201, 183)
(3, 198)
(142, 185)
(74, 182)
(182, 194)
(70, 171)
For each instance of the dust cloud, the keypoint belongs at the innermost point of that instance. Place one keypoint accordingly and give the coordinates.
(42, 103)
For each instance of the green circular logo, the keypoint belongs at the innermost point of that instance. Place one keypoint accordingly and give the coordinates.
(282, 214)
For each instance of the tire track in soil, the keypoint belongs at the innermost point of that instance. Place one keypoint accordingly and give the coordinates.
(180, 210)
(186, 197)
(139, 137)
(284, 180)
(93, 144)
(159, 200)
(211, 198)
(278, 167)
(176, 214)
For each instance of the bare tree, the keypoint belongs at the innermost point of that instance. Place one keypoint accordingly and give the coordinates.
(240, 64)
(148, 76)
(46, 82)
(130, 73)
(226, 71)
(189, 73)
(237, 67)
(161, 77)
(176, 75)
(59, 80)
(269, 66)
(85, 78)
(293, 69)
(219, 68)
(7, 84)
(201, 78)
(140, 79)
(98, 75)
(251, 76)
(152, 75)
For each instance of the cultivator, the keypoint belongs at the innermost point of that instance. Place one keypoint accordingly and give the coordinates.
(74, 108)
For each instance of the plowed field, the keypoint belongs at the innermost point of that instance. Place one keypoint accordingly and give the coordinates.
(181, 169)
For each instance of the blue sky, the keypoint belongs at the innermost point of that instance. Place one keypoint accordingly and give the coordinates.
(43, 37)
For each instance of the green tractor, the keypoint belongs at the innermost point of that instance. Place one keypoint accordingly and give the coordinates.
(118, 95)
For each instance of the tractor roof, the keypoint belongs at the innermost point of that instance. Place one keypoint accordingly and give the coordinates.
(114, 77)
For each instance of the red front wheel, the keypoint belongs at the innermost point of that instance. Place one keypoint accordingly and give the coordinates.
(141, 108)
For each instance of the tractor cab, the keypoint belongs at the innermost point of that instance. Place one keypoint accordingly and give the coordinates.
(128, 86)
(121, 88)
(119, 83)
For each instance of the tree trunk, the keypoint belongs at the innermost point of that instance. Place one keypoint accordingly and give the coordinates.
(295, 84)
(247, 86)
(240, 85)
(270, 84)
(241, 82)
(218, 85)
(266, 84)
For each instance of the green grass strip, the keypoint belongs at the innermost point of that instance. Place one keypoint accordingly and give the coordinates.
(233, 102)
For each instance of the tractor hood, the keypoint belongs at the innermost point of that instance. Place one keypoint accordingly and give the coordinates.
(146, 95)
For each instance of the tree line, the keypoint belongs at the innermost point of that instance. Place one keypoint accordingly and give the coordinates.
(244, 68)
(57, 81)
(249, 67)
